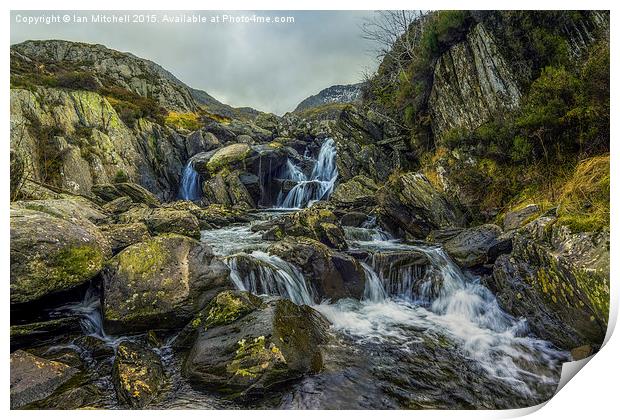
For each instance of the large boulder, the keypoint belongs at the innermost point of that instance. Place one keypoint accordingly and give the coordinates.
(138, 374)
(245, 353)
(34, 378)
(214, 215)
(477, 246)
(332, 274)
(43, 332)
(410, 206)
(51, 253)
(161, 282)
(314, 222)
(558, 281)
(75, 208)
(516, 218)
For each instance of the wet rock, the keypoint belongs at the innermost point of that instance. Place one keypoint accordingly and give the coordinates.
(411, 206)
(122, 235)
(314, 222)
(51, 254)
(250, 353)
(95, 346)
(332, 274)
(137, 193)
(201, 141)
(476, 246)
(226, 307)
(581, 352)
(84, 396)
(517, 218)
(138, 375)
(162, 282)
(34, 378)
(353, 219)
(43, 332)
(558, 281)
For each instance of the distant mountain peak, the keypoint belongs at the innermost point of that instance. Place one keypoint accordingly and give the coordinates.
(333, 94)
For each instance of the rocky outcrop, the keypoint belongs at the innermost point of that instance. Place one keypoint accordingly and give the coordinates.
(34, 378)
(472, 81)
(242, 355)
(333, 275)
(162, 282)
(138, 375)
(410, 206)
(516, 218)
(51, 251)
(558, 281)
(359, 191)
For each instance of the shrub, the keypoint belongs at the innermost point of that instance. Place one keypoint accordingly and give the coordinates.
(78, 80)
(131, 106)
(187, 120)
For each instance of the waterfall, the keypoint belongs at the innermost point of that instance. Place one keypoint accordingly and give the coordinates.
(264, 274)
(190, 183)
(320, 184)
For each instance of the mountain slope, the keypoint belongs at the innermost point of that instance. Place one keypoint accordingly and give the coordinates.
(333, 94)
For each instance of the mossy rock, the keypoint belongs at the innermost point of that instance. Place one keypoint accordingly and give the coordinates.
(51, 254)
(262, 350)
(160, 283)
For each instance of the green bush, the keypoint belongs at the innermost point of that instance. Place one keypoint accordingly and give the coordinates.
(78, 80)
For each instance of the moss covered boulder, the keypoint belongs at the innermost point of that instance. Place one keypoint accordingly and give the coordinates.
(410, 206)
(138, 375)
(244, 353)
(227, 156)
(160, 283)
(558, 280)
(332, 274)
(163, 220)
(50, 254)
(315, 222)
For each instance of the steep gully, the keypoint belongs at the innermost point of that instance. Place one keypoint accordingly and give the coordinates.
(427, 337)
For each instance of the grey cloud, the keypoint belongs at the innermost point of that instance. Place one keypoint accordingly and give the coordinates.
(271, 67)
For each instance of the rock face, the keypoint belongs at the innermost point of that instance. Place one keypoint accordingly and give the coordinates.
(357, 192)
(52, 253)
(472, 81)
(333, 94)
(138, 375)
(242, 354)
(411, 206)
(34, 378)
(162, 282)
(558, 280)
(333, 275)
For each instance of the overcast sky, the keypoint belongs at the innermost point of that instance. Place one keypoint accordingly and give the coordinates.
(270, 67)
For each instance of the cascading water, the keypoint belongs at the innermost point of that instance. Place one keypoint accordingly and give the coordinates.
(190, 183)
(318, 186)
(264, 274)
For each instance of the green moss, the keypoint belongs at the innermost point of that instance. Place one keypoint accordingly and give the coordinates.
(79, 261)
(188, 120)
(143, 259)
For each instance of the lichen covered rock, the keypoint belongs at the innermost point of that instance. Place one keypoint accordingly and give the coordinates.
(162, 282)
(558, 281)
(138, 375)
(247, 354)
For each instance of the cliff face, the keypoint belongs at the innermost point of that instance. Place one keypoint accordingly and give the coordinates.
(472, 81)
(75, 139)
